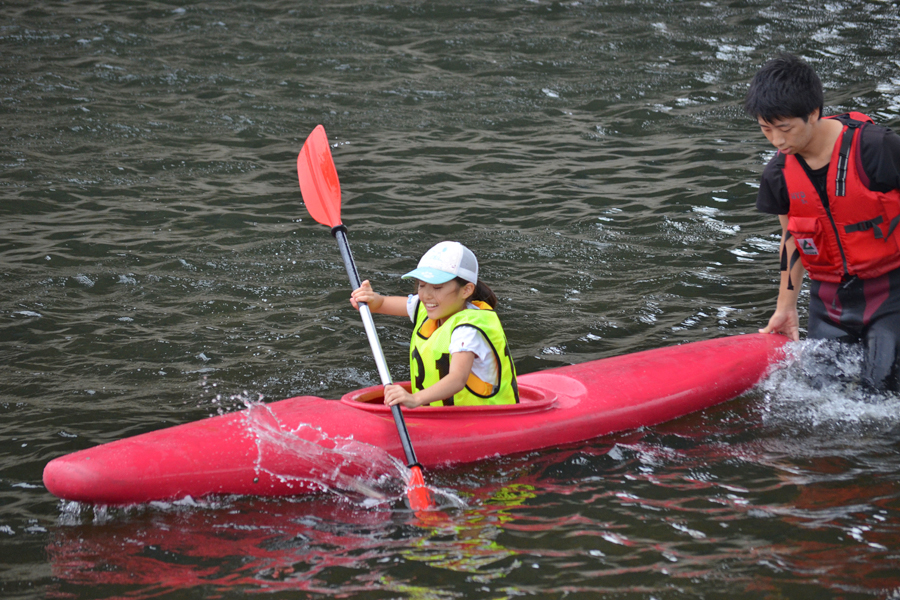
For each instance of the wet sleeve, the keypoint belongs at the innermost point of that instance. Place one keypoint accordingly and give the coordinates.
(772, 197)
(881, 158)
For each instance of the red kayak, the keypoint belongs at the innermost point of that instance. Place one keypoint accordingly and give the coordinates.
(306, 444)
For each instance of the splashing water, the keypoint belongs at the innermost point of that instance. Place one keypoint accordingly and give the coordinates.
(337, 465)
(355, 471)
(819, 386)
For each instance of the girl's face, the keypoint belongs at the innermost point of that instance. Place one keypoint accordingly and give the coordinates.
(443, 300)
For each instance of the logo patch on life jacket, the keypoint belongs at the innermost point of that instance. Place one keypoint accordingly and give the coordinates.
(807, 246)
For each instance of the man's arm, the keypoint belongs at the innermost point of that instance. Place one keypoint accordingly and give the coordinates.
(786, 319)
(880, 149)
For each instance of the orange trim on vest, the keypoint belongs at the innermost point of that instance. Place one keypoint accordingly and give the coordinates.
(430, 326)
(479, 386)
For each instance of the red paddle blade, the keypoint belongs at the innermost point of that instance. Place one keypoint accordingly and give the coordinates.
(319, 180)
(419, 496)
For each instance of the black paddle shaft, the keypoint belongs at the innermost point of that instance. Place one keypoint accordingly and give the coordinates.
(340, 234)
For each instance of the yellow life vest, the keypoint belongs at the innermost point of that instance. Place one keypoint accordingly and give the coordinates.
(429, 357)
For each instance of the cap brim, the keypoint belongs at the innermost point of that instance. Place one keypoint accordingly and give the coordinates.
(430, 275)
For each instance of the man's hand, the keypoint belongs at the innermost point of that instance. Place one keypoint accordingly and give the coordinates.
(786, 322)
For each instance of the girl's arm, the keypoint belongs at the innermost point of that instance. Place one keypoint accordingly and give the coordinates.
(385, 305)
(453, 382)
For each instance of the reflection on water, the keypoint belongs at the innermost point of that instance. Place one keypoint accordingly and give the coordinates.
(155, 257)
(686, 506)
(277, 545)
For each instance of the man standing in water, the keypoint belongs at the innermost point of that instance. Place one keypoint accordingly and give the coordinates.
(835, 186)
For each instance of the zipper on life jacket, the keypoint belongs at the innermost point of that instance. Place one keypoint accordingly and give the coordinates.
(840, 181)
(825, 204)
(836, 236)
(840, 184)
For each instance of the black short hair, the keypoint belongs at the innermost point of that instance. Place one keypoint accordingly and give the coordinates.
(784, 88)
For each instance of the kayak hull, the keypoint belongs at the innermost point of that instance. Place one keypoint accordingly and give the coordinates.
(296, 446)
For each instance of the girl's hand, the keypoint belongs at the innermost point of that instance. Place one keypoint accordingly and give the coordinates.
(460, 368)
(366, 294)
(395, 394)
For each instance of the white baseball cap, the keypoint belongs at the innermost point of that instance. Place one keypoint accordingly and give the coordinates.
(446, 261)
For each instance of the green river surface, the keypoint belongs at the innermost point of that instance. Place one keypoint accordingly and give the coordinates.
(157, 266)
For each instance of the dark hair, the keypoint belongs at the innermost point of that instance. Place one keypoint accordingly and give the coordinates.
(785, 87)
(482, 292)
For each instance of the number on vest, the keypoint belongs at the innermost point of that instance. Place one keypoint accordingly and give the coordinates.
(441, 365)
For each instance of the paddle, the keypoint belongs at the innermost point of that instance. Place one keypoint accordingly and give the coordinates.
(321, 192)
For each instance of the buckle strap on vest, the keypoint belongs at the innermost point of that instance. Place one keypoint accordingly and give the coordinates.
(873, 224)
(867, 225)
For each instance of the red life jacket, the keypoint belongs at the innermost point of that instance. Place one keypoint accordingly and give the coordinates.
(852, 231)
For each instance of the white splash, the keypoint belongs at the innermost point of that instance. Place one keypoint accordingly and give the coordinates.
(819, 385)
(307, 454)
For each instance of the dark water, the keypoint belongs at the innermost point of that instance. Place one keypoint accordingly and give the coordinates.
(157, 266)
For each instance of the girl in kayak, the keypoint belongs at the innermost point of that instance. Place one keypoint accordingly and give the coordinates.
(458, 355)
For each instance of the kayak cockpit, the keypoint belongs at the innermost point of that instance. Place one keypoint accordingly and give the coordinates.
(531, 400)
